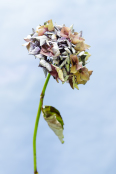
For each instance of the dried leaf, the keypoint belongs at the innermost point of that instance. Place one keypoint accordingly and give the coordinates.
(54, 120)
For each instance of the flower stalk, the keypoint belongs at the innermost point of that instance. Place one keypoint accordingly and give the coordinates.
(37, 121)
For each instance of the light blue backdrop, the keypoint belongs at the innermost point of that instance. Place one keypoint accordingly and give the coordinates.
(89, 114)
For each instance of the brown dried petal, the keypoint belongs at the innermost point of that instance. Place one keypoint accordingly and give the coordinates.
(65, 32)
(71, 83)
(54, 72)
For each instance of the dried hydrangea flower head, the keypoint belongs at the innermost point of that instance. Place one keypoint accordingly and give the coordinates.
(62, 52)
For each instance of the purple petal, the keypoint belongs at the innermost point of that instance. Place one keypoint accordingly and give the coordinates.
(34, 51)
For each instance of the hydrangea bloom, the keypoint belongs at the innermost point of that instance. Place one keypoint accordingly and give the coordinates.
(62, 52)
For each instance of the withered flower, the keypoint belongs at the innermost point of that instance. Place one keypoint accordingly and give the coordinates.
(62, 52)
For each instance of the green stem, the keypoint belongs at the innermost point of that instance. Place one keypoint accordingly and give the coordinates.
(36, 123)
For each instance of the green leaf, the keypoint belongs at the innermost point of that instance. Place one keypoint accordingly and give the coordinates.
(54, 120)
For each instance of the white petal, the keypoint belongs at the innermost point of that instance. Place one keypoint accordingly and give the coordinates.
(73, 50)
(48, 32)
(45, 71)
(40, 56)
(54, 37)
(81, 53)
(55, 50)
(80, 34)
(64, 56)
(42, 39)
(28, 38)
(58, 26)
(69, 44)
(35, 35)
(71, 28)
(67, 50)
(45, 64)
(37, 28)
(47, 42)
(57, 33)
(64, 53)
(25, 44)
(55, 61)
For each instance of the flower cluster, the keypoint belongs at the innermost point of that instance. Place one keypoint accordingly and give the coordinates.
(62, 52)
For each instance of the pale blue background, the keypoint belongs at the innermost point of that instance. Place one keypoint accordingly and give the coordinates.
(89, 114)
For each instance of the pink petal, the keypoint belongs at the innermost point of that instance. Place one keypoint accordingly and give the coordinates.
(65, 32)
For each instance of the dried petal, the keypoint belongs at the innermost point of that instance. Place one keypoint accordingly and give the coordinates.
(90, 73)
(65, 32)
(27, 45)
(60, 73)
(54, 73)
(34, 51)
(28, 38)
(75, 63)
(41, 30)
(40, 56)
(87, 55)
(45, 64)
(76, 86)
(71, 83)
(45, 71)
(50, 25)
